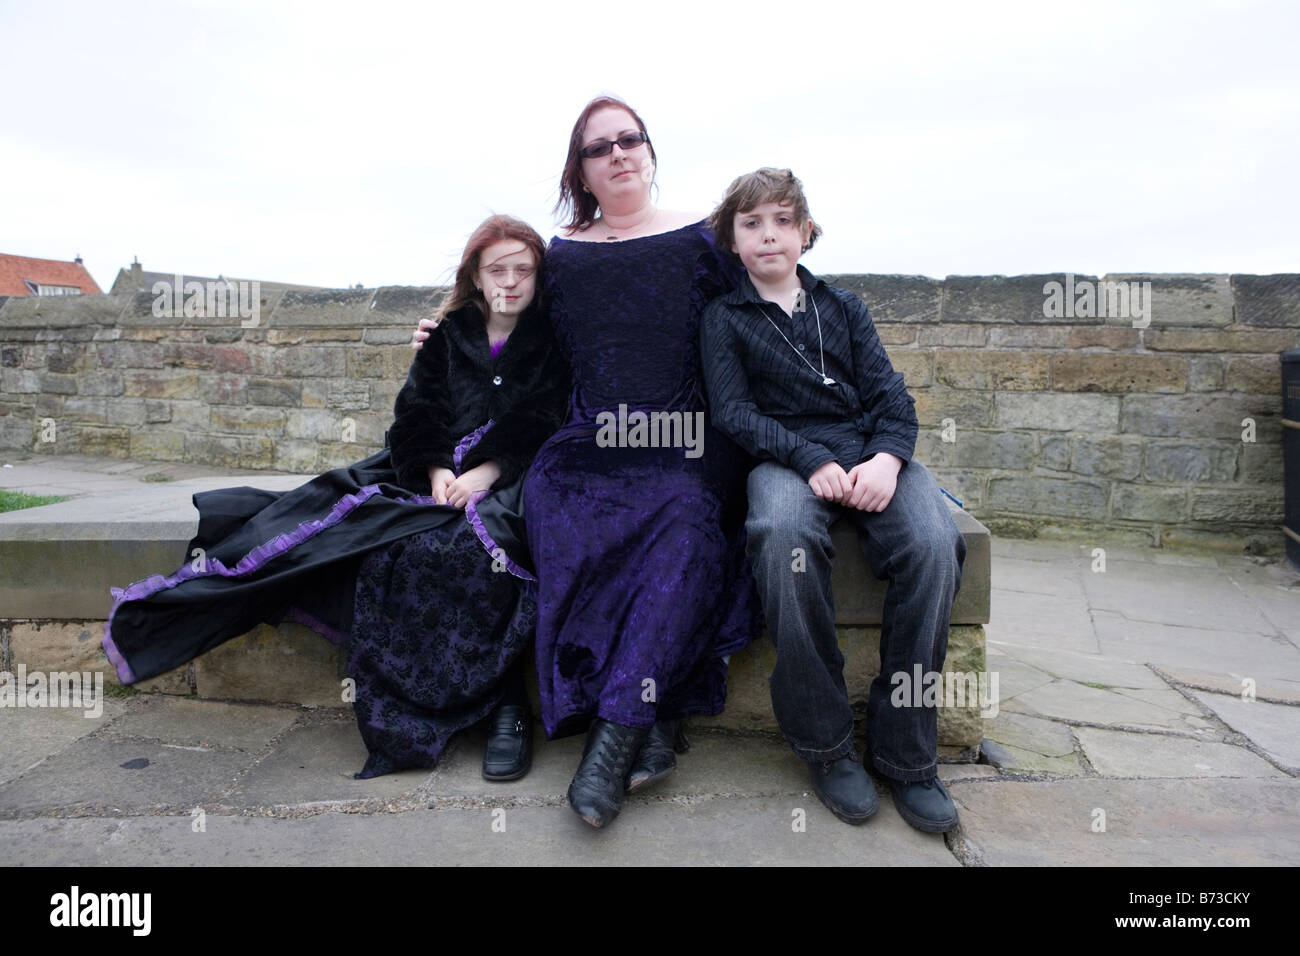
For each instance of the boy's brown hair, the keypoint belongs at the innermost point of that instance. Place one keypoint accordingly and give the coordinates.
(750, 191)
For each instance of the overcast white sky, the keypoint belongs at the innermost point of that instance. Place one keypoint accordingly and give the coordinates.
(331, 144)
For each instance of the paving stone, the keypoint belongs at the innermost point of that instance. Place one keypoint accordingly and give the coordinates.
(1068, 700)
(1114, 753)
(30, 735)
(1223, 651)
(127, 774)
(755, 831)
(315, 763)
(1030, 744)
(1014, 677)
(1085, 668)
(1041, 620)
(1219, 822)
(1275, 728)
(1037, 577)
(1232, 684)
(967, 771)
(1193, 597)
(751, 765)
(206, 723)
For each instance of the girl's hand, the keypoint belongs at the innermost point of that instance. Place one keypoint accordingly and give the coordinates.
(830, 482)
(422, 332)
(439, 479)
(475, 480)
(874, 482)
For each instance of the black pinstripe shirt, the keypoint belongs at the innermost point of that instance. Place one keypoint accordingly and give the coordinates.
(764, 394)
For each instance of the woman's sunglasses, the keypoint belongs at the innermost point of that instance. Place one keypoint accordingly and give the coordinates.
(603, 147)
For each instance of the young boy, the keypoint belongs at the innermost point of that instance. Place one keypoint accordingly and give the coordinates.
(797, 375)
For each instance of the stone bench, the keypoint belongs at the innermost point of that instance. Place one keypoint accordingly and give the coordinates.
(58, 562)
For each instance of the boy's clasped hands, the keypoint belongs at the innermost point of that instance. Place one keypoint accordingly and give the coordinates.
(869, 486)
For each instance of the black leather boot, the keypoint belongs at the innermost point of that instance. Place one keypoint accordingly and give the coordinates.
(509, 752)
(656, 759)
(846, 789)
(596, 793)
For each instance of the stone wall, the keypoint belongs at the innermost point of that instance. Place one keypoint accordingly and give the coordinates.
(1037, 422)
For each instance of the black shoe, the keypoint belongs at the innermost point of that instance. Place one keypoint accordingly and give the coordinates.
(656, 759)
(925, 805)
(846, 789)
(596, 793)
(509, 752)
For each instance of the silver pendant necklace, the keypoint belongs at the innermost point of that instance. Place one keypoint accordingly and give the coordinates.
(826, 379)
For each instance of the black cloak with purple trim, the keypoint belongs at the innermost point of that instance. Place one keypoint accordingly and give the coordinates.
(271, 555)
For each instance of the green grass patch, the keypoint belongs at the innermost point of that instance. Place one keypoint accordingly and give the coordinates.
(17, 500)
(1088, 683)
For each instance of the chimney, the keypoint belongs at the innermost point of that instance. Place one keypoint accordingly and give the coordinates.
(137, 273)
(78, 259)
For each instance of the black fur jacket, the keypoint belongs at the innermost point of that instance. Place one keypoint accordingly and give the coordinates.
(454, 386)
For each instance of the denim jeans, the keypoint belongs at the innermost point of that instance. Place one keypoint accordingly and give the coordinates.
(915, 545)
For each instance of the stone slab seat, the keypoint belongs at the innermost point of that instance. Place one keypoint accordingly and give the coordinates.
(58, 562)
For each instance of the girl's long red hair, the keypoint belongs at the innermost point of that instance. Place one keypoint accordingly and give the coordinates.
(494, 228)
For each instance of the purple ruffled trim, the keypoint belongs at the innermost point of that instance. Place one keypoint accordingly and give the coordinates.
(471, 511)
(254, 560)
(331, 634)
(466, 443)
(498, 553)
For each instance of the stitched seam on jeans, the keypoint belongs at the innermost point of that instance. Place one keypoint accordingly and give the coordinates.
(848, 739)
(894, 766)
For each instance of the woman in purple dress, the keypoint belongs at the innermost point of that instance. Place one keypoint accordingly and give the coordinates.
(634, 507)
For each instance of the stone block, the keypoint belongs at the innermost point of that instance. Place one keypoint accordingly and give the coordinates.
(269, 391)
(894, 298)
(288, 664)
(1007, 371)
(221, 451)
(916, 366)
(296, 457)
(1205, 374)
(1243, 505)
(162, 385)
(1187, 462)
(1004, 299)
(1054, 452)
(1144, 503)
(893, 334)
(129, 354)
(311, 361)
(111, 442)
(57, 384)
(1013, 451)
(366, 362)
(1028, 337)
(1261, 463)
(1260, 375)
(19, 381)
(348, 395)
(1105, 457)
(1200, 416)
(1181, 300)
(1269, 300)
(348, 308)
(158, 444)
(949, 335)
(248, 421)
(1219, 340)
(1058, 411)
(966, 408)
(1100, 372)
(64, 312)
(1052, 496)
(50, 646)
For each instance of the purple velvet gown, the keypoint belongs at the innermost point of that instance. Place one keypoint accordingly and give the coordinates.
(643, 584)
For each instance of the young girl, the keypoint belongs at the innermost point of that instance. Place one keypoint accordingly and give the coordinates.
(412, 581)
(440, 627)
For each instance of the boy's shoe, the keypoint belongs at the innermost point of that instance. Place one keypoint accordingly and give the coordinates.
(596, 793)
(845, 788)
(925, 804)
(509, 752)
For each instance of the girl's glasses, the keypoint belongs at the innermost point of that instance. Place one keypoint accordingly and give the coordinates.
(603, 147)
